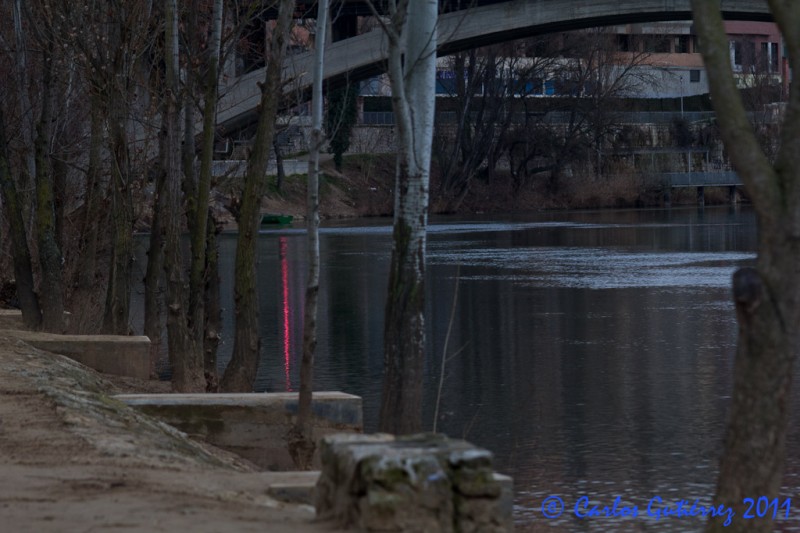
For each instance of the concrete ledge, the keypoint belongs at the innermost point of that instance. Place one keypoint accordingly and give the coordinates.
(11, 319)
(251, 425)
(293, 487)
(112, 354)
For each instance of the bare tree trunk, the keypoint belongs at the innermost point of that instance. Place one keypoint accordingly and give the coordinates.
(155, 262)
(118, 297)
(767, 297)
(202, 230)
(301, 435)
(185, 355)
(50, 259)
(60, 170)
(213, 306)
(188, 23)
(24, 104)
(278, 163)
(240, 374)
(88, 259)
(12, 206)
(188, 151)
(413, 79)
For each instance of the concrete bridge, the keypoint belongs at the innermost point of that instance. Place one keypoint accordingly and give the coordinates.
(365, 55)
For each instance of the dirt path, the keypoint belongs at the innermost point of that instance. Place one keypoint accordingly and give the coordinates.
(73, 460)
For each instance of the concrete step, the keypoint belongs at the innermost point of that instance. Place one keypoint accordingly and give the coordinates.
(293, 487)
(120, 355)
(252, 425)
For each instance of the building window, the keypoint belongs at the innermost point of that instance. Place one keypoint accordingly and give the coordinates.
(682, 44)
(743, 55)
(774, 58)
(623, 43)
(694, 76)
(656, 44)
(736, 55)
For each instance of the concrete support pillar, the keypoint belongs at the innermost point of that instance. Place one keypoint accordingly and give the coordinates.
(701, 196)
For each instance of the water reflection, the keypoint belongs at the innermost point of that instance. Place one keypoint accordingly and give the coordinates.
(286, 310)
(591, 351)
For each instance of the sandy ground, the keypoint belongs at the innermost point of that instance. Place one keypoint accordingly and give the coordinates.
(72, 460)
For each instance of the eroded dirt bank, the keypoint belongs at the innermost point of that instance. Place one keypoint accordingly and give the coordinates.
(72, 459)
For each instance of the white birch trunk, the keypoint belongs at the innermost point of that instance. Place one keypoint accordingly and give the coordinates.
(413, 80)
(301, 438)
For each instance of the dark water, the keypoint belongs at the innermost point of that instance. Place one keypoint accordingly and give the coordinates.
(590, 351)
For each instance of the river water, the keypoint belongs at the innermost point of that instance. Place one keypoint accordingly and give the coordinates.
(590, 351)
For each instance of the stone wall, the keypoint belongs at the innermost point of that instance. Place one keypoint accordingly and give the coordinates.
(422, 483)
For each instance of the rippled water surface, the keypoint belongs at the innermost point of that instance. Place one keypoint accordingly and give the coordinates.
(590, 351)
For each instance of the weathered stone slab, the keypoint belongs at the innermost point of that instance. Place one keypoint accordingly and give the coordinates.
(293, 487)
(120, 355)
(506, 503)
(11, 319)
(421, 483)
(251, 425)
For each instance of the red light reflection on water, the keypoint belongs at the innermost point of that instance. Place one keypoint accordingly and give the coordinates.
(282, 242)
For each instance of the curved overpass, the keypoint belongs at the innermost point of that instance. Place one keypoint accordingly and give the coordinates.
(365, 55)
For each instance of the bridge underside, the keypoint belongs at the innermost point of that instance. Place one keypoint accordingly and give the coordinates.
(495, 21)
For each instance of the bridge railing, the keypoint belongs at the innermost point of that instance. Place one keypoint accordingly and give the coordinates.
(373, 118)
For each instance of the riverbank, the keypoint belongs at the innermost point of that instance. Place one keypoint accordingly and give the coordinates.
(364, 188)
(73, 459)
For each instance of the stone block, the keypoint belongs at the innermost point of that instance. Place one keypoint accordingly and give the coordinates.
(11, 319)
(120, 355)
(293, 487)
(506, 502)
(251, 425)
(421, 483)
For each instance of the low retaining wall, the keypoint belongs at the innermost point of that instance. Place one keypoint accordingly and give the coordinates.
(120, 355)
(11, 319)
(251, 425)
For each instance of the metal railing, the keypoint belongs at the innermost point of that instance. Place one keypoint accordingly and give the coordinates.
(379, 118)
(700, 179)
